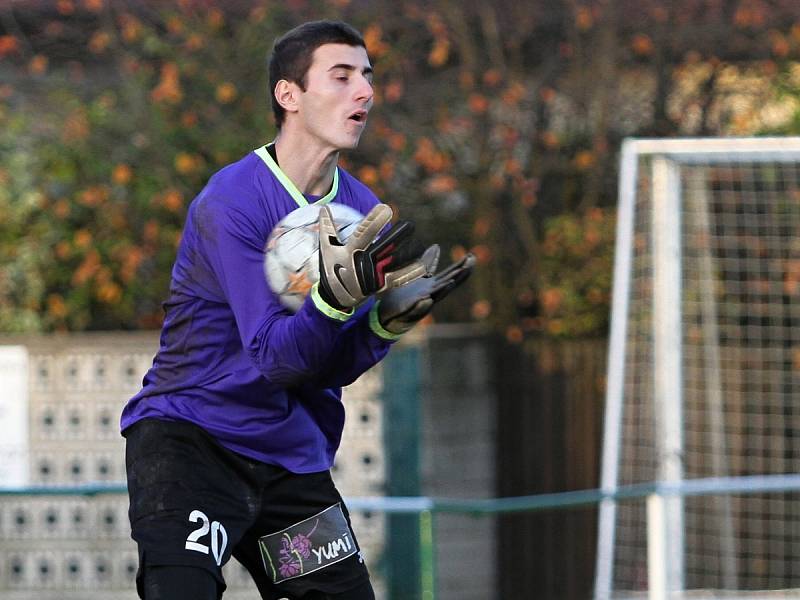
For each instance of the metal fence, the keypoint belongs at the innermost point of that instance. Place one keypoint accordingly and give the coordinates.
(20, 584)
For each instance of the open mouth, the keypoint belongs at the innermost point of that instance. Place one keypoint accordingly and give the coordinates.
(360, 116)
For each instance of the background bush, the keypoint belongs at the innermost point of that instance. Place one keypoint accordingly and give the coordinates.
(496, 128)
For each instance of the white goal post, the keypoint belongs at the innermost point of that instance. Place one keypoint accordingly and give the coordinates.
(704, 356)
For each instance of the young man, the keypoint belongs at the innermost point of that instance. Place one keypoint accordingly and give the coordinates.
(230, 440)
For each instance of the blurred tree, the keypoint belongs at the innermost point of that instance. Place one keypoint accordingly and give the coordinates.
(496, 128)
(503, 120)
(113, 119)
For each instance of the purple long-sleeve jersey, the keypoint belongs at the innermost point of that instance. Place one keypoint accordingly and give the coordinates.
(264, 382)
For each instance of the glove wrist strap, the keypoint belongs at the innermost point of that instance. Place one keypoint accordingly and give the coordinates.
(326, 308)
(377, 327)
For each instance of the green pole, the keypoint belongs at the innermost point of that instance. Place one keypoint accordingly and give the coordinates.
(401, 428)
(427, 552)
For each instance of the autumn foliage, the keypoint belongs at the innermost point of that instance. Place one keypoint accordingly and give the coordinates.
(496, 128)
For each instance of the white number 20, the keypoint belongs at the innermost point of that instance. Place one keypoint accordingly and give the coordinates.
(219, 537)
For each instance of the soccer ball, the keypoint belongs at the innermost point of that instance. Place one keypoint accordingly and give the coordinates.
(291, 255)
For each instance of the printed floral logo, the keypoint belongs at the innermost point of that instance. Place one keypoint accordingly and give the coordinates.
(293, 551)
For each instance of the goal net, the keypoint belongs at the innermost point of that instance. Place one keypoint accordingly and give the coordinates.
(704, 368)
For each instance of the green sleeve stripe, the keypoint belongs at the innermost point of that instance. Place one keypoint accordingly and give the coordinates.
(290, 187)
(325, 308)
(377, 328)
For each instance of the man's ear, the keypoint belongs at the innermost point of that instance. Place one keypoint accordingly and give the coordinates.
(286, 93)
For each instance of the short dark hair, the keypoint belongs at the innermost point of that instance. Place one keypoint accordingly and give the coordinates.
(292, 53)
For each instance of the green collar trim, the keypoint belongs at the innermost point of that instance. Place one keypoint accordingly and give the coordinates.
(290, 187)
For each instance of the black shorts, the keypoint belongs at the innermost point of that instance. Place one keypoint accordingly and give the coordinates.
(195, 503)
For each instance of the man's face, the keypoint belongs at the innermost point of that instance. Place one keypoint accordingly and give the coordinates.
(338, 95)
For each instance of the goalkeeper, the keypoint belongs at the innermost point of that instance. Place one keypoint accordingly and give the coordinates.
(230, 440)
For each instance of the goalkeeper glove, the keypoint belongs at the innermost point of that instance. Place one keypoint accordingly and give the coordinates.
(401, 308)
(351, 271)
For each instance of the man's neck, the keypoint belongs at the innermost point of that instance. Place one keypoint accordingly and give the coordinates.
(310, 169)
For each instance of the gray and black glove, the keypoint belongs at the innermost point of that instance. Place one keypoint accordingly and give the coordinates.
(351, 271)
(401, 308)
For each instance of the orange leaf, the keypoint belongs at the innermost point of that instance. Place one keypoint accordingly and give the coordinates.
(482, 253)
(56, 306)
(457, 253)
(195, 42)
(130, 264)
(514, 334)
(386, 170)
(184, 163)
(63, 250)
(87, 269)
(547, 94)
(642, 44)
(173, 200)
(258, 13)
(131, 28)
(61, 208)
(393, 90)
(93, 5)
(372, 38)
(215, 18)
(528, 198)
(441, 184)
(478, 103)
(585, 159)
(151, 230)
(169, 87)
(481, 309)
(780, 46)
(93, 196)
(65, 7)
(492, 77)
(397, 141)
(481, 227)
(551, 300)
(428, 156)
(226, 93)
(369, 175)
(109, 293)
(122, 174)
(440, 52)
(175, 25)
(8, 44)
(436, 24)
(583, 18)
(99, 42)
(83, 238)
(513, 94)
(189, 119)
(38, 65)
(513, 167)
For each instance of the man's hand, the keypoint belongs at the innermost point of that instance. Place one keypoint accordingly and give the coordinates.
(351, 271)
(401, 308)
